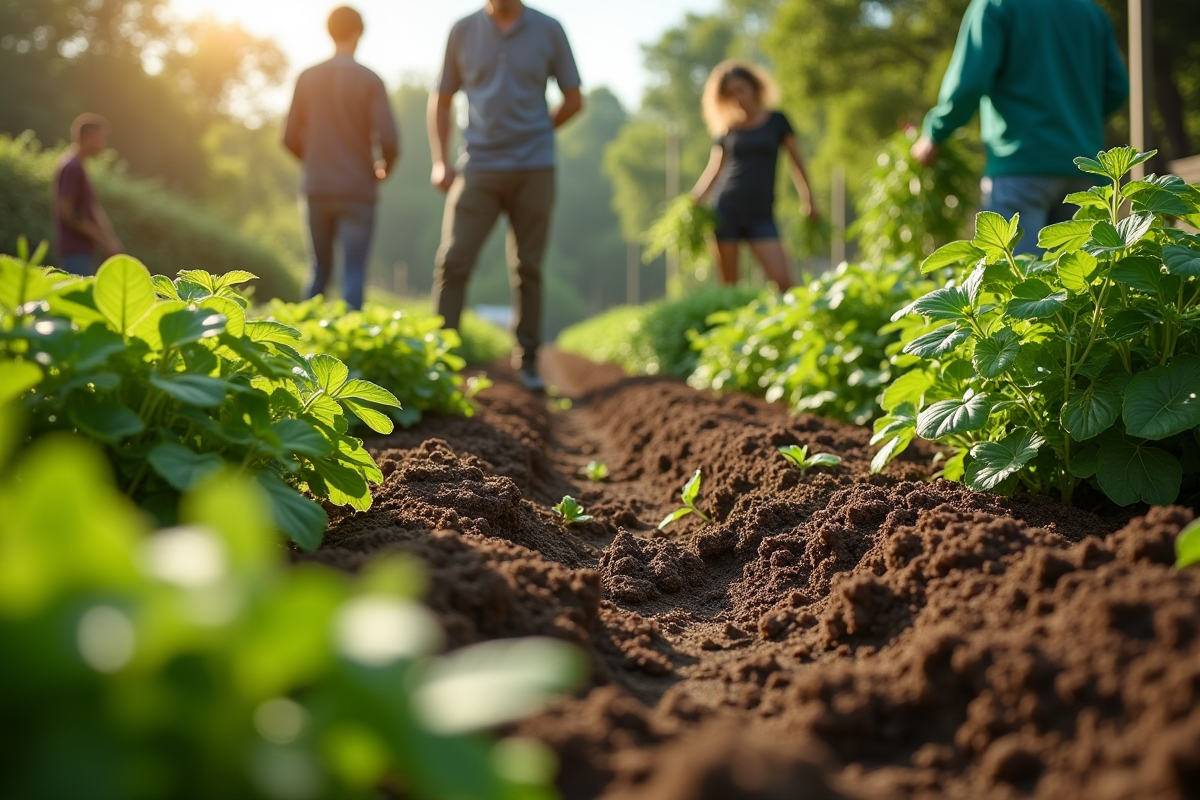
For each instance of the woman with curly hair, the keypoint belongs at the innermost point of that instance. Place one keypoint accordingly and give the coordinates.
(747, 137)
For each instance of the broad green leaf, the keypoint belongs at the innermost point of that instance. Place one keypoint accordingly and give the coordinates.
(373, 419)
(329, 373)
(124, 292)
(1187, 546)
(892, 448)
(351, 450)
(1090, 412)
(996, 235)
(235, 317)
(178, 328)
(1160, 201)
(908, 388)
(108, 422)
(147, 329)
(266, 330)
(954, 416)
(1118, 161)
(367, 391)
(824, 460)
(952, 255)
(1097, 197)
(200, 278)
(1076, 270)
(691, 489)
(22, 283)
(938, 343)
(674, 516)
(995, 354)
(948, 303)
(1092, 166)
(299, 518)
(1182, 261)
(297, 436)
(994, 462)
(1143, 273)
(1164, 401)
(1130, 472)
(346, 487)
(17, 378)
(181, 467)
(200, 391)
(1127, 323)
(902, 418)
(1071, 234)
(1035, 299)
(234, 278)
(1085, 462)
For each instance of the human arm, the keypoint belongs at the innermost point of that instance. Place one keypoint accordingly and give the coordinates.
(71, 216)
(112, 243)
(808, 205)
(978, 57)
(384, 126)
(716, 162)
(437, 120)
(571, 105)
(293, 131)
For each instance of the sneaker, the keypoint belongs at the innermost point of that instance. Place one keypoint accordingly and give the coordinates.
(528, 375)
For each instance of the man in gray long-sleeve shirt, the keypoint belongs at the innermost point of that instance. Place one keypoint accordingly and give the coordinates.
(502, 58)
(340, 114)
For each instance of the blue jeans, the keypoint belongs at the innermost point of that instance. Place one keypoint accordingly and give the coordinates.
(79, 264)
(351, 222)
(1037, 198)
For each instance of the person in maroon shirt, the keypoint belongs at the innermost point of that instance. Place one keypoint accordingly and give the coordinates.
(80, 224)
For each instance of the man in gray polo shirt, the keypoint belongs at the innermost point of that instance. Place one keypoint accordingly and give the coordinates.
(502, 57)
(340, 114)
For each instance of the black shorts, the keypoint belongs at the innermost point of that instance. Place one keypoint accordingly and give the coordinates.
(735, 228)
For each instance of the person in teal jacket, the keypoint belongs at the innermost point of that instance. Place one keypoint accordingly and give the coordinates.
(1044, 75)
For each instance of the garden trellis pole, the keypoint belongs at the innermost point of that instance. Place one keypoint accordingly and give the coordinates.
(1141, 54)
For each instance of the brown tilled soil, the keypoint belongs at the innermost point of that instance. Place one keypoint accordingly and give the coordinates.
(835, 635)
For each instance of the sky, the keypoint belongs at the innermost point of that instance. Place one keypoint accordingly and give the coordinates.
(408, 37)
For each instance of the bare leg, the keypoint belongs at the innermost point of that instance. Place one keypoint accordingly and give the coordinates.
(769, 253)
(726, 256)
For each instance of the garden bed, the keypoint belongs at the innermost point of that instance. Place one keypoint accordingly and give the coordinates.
(835, 635)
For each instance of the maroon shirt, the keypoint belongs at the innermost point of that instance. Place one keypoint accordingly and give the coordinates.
(71, 183)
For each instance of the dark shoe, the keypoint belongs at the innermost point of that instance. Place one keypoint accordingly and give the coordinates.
(528, 375)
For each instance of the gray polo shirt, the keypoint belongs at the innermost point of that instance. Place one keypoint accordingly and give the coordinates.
(504, 76)
(339, 113)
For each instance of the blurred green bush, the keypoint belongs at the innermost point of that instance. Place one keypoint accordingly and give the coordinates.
(157, 227)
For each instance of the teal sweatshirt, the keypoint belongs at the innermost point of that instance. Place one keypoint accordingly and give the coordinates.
(1044, 74)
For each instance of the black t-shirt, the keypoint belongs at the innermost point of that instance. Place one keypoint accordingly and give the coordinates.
(747, 181)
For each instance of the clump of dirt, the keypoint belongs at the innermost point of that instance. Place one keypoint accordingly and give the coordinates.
(834, 635)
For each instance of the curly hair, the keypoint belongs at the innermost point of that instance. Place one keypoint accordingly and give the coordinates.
(720, 112)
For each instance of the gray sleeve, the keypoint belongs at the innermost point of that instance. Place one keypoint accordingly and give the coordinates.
(565, 73)
(382, 121)
(450, 79)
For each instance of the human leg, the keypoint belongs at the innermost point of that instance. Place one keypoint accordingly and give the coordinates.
(355, 227)
(725, 253)
(472, 207)
(321, 216)
(529, 204)
(774, 261)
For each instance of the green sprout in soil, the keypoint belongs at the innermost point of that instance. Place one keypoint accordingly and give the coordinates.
(691, 490)
(1187, 546)
(798, 455)
(596, 471)
(570, 510)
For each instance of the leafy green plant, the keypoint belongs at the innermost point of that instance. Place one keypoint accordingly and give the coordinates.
(570, 510)
(817, 348)
(596, 471)
(907, 209)
(1187, 546)
(683, 230)
(178, 383)
(691, 490)
(1081, 366)
(798, 456)
(195, 663)
(412, 356)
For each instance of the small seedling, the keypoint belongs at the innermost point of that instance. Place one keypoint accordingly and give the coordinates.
(691, 490)
(1187, 546)
(596, 471)
(798, 455)
(570, 510)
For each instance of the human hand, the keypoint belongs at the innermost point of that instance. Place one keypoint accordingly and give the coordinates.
(113, 246)
(443, 176)
(925, 152)
(810, 212)
(381, 170)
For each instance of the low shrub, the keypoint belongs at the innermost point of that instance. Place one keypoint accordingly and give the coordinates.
(1082, 366)
(177, 383)
(482, 343)
(411, 356)
(155, 225)
(817, 348)
(195, 663)
(652, 339)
